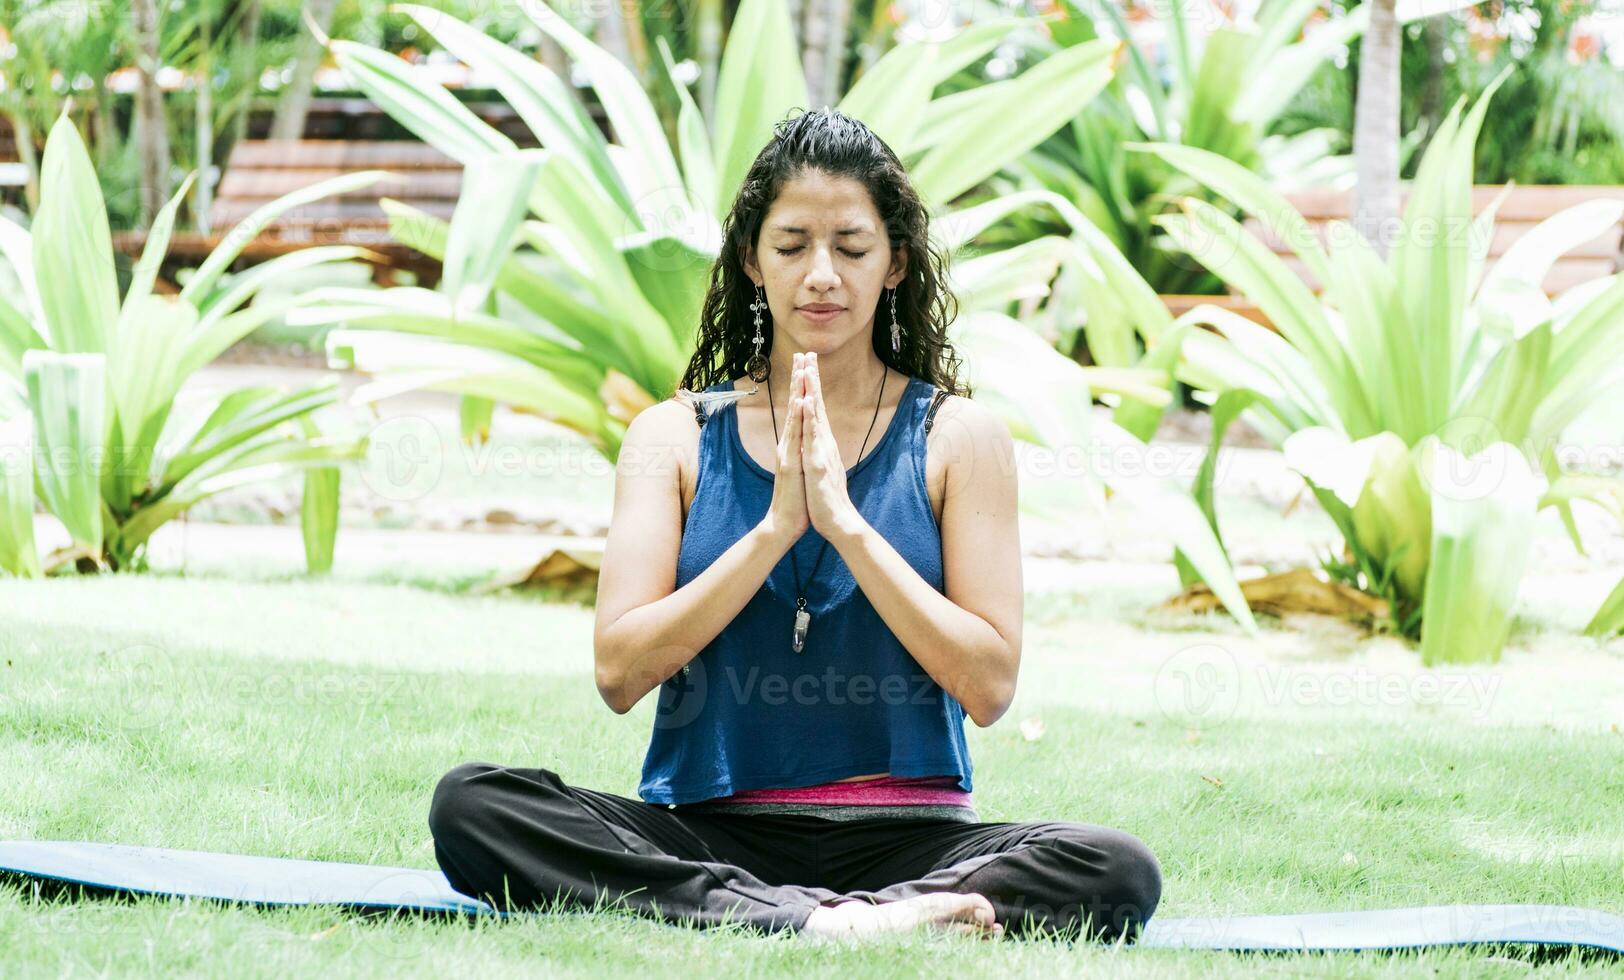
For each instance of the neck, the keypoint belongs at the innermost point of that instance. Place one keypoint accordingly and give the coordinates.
(850, 377)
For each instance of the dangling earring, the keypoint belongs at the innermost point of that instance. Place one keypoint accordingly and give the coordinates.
(757, 364)
(896, 328)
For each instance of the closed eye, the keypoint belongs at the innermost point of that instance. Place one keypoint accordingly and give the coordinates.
(792, 251)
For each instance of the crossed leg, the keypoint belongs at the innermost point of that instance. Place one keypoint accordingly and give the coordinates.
(1044, 878)
(521, 837)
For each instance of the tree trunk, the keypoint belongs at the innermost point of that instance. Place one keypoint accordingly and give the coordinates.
(247, 60)
(1375, 128)
(294, 104)
(824, 50)
(708, 48)
(150, 125)
(23, 135)
(203, 121)
(1434, 37)
(103, 127)
(609, 33)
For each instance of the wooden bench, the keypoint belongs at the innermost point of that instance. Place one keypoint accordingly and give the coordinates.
(260, 171)
(1523, 208)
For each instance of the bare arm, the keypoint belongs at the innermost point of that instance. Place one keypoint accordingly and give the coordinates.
(646, 628)
(968, 639)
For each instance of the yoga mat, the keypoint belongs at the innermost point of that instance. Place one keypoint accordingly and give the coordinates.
(287, 881)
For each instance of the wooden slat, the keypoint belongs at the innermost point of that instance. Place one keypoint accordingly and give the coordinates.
(230, 211)
(242, 182)
(1565, 273)
(194, 245)
(1181, 303)
(1603, 246)
(338, 155)
(1526, 202)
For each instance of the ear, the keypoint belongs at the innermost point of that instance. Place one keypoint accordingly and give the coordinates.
(899, 268)
(747, 259)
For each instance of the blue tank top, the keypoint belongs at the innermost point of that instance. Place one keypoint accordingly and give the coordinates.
(751, 713)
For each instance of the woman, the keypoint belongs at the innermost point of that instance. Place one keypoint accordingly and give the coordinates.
(808, 768)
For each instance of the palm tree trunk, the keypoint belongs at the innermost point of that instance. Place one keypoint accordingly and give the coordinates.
(1434, 37)
(708, 47)
(23, 135)
(824, 51)
(151, 127)
(294, 105)
(203, 121)
(1375, 128)
(248, 67)
(609, 33)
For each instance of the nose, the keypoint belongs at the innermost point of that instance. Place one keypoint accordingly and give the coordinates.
(822, 274)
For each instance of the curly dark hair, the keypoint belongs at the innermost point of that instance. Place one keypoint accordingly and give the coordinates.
(831, 142)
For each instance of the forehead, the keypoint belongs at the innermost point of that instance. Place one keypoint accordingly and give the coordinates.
(816, 202)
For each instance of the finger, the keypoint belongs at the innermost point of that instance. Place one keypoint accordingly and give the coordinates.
(801, 446)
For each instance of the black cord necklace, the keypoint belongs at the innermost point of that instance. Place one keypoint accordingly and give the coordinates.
(803, 619)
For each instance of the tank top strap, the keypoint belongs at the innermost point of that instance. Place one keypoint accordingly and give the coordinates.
(698, 408)
(939, 396)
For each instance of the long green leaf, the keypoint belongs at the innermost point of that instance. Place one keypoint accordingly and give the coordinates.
(495, 198)
(69, 395)
(760, 81)
(153, 252)
(144, 367)
(238, 289)
(240, 416)
(18, 553)
(658, 185)
(1251, 193)
(318, 508)
(1483, 511)
(693, 141)
(1609, 618)
(273, 459)
(245, 231)
(1029, 109)
(1237, 257)
(546, 104)
(412, 97)
(73, 250)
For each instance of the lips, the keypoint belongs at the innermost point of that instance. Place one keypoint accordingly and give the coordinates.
(822, 308)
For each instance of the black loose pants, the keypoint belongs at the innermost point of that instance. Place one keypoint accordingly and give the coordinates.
(522, 838)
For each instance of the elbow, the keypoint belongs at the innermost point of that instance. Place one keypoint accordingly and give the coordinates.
(611, 682)
(992, 706)
(987, 716)
(612, 696)
(993, 701)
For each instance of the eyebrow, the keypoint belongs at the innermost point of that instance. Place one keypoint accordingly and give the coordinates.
(793, 230)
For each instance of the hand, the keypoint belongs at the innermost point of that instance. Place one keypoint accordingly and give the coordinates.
(787, 513)
(828, 504)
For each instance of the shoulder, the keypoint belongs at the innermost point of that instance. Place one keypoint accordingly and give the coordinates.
(666, 418)
(967, 421)
(970, 438)
(662, 429)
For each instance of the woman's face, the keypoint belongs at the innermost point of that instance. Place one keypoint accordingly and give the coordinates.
(823, 244)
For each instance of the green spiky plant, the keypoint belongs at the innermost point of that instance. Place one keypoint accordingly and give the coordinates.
(92, 418)
(1421, 399)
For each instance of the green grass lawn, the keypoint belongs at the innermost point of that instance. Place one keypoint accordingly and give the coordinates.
(266, 714)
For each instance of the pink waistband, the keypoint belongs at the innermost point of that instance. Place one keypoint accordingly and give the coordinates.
(884, 791)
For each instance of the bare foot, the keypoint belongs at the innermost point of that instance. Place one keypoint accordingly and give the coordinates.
(938, 912)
